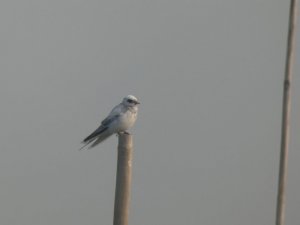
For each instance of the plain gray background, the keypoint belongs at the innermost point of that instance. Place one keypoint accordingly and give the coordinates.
(209, 76)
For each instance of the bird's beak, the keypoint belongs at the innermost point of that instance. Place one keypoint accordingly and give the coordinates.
(137, 102)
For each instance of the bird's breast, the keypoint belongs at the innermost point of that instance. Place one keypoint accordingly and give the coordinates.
(127, 120)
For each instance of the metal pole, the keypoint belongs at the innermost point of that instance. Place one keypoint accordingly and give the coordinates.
(123, 180)
(286, 108)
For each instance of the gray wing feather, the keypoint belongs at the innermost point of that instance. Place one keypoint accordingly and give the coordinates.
(114, 113)
(93, 135)
(104, 126)
(99, 134)
(108, 120)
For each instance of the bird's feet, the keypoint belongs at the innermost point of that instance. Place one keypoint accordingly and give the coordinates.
(123, 132)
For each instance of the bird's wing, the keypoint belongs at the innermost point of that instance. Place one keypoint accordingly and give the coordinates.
(93, 135)
(114, 114)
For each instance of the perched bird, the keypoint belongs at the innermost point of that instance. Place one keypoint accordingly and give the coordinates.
(120, 119)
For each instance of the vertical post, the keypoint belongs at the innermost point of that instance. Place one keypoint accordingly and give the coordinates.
(123, 180)
(286, 106)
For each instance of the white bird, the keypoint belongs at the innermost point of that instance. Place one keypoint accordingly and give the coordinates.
(120, 119)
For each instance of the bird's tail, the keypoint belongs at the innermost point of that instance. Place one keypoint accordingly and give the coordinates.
(93, 135)
(85, 144)
(96, 140)
(100, 138)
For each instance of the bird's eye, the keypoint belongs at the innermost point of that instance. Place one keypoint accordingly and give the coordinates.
(130, 101)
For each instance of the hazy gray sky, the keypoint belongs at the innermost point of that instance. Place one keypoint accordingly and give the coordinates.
(209, 76)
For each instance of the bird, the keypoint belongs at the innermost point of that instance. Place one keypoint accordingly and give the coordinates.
(119, 120)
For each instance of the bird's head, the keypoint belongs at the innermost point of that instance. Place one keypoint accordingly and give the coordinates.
(130, 101)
